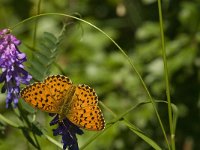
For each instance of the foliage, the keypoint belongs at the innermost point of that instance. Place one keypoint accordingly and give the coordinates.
(86, 56)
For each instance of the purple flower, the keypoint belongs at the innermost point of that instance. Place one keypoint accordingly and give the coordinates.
(68, 131)
(13, 73)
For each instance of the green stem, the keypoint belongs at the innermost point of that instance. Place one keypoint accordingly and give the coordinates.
(166, 77)
(95, 136)
(36, 141)
(24, 119)
(53, 141)
(9, 121)
(36, 23)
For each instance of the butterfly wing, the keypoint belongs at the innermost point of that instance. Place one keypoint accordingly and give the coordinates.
(39, 96)
(84, 110)
(58, 86)
(48, 95)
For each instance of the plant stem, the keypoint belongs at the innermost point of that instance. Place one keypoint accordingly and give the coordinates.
(166, 77)
(36, 24)
(13, 124)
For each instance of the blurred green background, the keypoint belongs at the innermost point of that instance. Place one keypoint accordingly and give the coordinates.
(87, 56)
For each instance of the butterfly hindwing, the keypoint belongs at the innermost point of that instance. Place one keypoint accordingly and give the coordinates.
(84, 111)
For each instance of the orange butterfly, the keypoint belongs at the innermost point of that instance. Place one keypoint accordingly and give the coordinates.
(57, 94)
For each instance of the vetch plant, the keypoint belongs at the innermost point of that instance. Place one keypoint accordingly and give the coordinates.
(11, 64)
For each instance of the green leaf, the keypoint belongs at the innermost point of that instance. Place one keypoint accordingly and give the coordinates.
(142, 135)
(9, 122)
(28, 137)
(27, 107)
(36, 130)
(175, 116)
(44, 57)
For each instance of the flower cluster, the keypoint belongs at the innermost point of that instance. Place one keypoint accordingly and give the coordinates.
(68, 132)
(13, 73)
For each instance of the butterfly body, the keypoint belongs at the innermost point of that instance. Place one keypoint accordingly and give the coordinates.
(65, 108)
(57, 94)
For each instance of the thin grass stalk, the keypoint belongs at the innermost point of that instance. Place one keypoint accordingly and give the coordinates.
(172, 137)
(36, 23)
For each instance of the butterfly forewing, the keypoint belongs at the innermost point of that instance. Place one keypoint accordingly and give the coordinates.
(84, 110)
(58, 86)
(48, 95)
(39, 96)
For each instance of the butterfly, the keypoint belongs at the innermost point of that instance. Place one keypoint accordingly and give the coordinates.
(57, 94)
